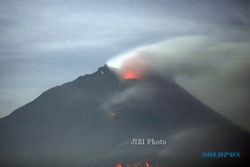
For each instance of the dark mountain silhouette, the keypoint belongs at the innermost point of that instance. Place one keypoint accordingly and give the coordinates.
(92, 120)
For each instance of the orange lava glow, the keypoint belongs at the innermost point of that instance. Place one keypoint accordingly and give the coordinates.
(118, 165)
(135, 164)
(130, 74)
(134, 68)
(113, 114)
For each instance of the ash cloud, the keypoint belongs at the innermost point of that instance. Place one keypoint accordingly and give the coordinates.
(213, 70)
(118, 99)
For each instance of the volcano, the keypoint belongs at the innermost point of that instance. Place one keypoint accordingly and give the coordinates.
(93, 121)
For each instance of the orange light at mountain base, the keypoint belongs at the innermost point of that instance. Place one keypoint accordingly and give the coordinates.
(118, 165)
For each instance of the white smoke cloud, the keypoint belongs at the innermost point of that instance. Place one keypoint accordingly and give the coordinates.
(215, 71)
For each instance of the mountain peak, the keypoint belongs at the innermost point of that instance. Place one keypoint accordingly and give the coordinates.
(103, 72)
(103, 69)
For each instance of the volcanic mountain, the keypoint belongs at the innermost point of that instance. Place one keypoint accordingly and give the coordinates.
(92, 121)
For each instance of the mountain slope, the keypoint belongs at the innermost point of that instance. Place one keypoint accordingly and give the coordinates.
(92, 120)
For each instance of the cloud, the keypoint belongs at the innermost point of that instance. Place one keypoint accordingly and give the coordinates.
(214, 70)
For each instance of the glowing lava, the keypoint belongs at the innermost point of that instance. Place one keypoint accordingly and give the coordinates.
(113, 114)
(131, 74)
(133, 68)
(118, 165)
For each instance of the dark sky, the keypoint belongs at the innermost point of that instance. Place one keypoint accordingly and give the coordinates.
(50, 42)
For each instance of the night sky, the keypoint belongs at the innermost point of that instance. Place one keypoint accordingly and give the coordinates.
(47, 43)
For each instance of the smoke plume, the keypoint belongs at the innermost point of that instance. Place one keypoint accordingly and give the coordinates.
(215, 71)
